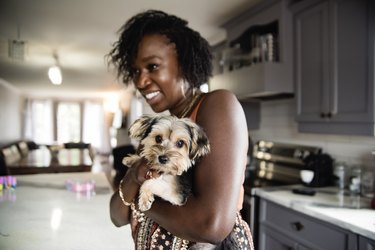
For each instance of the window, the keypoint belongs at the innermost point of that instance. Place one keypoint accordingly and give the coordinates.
(39, 122)
(68, 122)
(93, 124)
(48, 121)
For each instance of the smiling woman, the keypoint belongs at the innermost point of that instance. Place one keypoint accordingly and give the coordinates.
(168, 62)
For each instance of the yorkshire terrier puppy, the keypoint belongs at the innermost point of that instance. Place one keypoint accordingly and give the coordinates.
(171, 146)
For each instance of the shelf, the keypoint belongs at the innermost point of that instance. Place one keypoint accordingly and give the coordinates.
(256, 82)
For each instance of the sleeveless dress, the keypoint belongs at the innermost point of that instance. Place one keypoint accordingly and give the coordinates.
(149, 235)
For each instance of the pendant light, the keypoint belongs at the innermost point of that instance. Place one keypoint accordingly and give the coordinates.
(16, 47)
(54, 72)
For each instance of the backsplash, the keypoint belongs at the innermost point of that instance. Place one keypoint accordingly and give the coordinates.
(277, 123)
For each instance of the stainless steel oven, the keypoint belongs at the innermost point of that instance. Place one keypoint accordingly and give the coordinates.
(272, 164)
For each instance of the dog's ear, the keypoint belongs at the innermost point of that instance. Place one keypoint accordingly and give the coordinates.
(141, 127)
(200, 145)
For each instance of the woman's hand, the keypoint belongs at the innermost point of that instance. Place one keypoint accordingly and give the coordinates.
(120, 212)
(143, 172)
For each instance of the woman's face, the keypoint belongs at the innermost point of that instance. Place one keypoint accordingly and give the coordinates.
(158, 77)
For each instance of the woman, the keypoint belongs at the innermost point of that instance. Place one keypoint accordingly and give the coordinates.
(167, 61)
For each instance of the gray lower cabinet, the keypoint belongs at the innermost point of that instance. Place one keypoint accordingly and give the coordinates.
(271, 239)
(281, 228)
(366, 244)
(334, 65)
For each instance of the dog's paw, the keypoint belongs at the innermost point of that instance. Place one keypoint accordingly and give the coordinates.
(176, 199)
(130, 160)
(144, 206)
(145, 201)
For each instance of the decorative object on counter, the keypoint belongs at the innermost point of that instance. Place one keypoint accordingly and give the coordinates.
(355, 180)
(8, 182)
(367, 184)
(341, 175)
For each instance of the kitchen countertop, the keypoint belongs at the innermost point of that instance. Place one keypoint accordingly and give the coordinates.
(40, 213)
(328, 204)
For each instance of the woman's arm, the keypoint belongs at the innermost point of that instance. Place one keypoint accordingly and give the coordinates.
(209, 214)
(119, 212)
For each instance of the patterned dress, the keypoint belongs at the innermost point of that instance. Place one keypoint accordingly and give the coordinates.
(151, 236)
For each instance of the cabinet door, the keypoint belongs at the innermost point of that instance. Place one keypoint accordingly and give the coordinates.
(366, 244)
(312, 62)
(351, 99)
(335, 66)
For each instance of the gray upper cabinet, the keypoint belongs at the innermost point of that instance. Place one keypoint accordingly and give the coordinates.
(334, 66)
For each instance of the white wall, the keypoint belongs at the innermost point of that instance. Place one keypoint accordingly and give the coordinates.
(10, 112)
(278, 124)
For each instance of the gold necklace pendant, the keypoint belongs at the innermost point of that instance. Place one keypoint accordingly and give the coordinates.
(192, 104)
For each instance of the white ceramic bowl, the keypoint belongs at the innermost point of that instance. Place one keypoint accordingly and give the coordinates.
(306, 176)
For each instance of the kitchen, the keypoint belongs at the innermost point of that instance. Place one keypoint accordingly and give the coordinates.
(276, 119)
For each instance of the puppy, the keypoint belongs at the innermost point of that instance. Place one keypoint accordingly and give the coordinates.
(171, 146)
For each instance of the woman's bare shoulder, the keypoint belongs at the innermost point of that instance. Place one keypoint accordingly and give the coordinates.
(221, 101)
(220, 93)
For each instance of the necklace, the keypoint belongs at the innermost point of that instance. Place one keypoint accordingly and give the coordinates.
(192, 104)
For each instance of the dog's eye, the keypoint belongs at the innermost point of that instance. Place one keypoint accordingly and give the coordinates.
(158, 139)
(180, 143)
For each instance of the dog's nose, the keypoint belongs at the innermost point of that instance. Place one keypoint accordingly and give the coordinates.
(163, 159)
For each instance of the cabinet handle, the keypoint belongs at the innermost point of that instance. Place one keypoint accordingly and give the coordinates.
(326, 115)
(297, 226)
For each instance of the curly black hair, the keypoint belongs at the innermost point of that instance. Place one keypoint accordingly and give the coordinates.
(193, 51)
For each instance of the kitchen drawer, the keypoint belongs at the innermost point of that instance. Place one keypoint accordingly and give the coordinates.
(310, 232)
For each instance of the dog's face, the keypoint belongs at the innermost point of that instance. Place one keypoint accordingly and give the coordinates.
(171, 145)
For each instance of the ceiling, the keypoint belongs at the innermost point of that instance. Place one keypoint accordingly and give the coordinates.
(81, 33)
